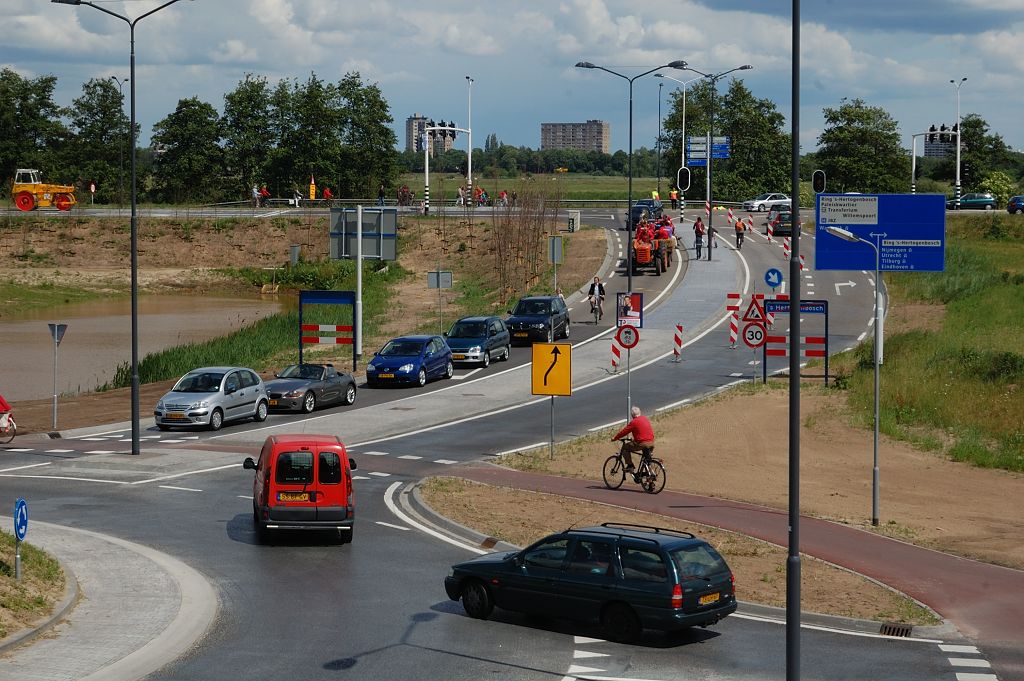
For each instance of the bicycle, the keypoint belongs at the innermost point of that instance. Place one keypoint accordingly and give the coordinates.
(8, 428)
(650, 474)
(595, 308)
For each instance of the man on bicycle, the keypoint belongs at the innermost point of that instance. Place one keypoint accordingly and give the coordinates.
(596, 297)
(643, 437)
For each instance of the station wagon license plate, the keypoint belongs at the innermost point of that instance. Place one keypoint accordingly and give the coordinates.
(385, 375)
(458, 357)
(707, 599)
(293, 496)
(521, 334)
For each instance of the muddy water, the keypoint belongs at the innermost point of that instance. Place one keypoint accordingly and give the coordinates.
(98, 338)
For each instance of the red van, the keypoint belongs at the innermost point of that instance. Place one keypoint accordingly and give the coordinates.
(303, 482)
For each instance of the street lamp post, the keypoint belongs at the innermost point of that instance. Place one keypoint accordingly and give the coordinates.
(714, 78)
(660, 86)
(850, 236)
(120, 154)
(135, 217)
(678, 64)
(682, 145)
(469, 151)
(956, 189)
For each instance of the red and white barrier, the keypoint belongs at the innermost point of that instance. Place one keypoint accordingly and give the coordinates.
(327, 340)
(771, 228)
(732, 302)
(707, 208)
(803, 265)
(785, 248)
(734, 329)
(616, 356)
(732, 219)
(750, 224)
(818, 341)
(811, 346)
(677, 344)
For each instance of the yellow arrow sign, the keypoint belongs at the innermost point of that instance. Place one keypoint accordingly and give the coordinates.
(552, 369)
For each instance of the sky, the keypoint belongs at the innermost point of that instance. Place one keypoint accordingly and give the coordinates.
(896, 54)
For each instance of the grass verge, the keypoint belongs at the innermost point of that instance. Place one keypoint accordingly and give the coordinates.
(24, 602)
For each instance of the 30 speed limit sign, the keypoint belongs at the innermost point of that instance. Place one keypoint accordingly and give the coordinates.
(753, 335)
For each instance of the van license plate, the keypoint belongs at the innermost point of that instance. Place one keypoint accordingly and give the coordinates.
(708, 598)
(293, 496)
(385, 375)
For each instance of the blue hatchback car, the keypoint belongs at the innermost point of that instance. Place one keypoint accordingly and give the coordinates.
(410, 359)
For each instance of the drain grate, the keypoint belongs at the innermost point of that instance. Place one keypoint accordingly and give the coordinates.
(402, 408)
(896, 629)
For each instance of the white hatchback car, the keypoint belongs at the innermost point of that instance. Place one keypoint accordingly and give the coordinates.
(212, 395)
(766, 202)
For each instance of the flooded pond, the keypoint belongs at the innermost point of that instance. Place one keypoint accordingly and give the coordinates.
(98, 338)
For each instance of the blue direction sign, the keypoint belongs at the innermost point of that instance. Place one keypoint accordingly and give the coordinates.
(697, 162)
(806, 307)
(908, 229)
(20, 519)
(773, 277)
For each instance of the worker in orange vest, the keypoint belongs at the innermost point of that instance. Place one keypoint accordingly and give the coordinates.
(740, 229)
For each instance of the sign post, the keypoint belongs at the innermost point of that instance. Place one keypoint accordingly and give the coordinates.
(555, 256)
(20, 530)
(57, 332)
(551, 374)
(628, 336)
(439, 280)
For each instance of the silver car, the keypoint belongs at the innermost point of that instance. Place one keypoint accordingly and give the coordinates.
(766, 202)
(212, 395)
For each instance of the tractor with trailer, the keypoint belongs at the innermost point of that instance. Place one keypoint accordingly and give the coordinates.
(30, 192)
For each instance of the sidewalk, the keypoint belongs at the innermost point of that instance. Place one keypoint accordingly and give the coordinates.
(982, 600)
(137, 610)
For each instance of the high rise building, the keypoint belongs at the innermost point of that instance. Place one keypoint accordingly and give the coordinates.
(589, 136)
(414, 126)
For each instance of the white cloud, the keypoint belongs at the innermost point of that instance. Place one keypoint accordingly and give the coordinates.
(234, 51)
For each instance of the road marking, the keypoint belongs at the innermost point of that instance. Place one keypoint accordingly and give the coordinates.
(393, 526)
(64, 477)
(871, 321)
(181, 475)
(100, 451)
(524, 448)
(166, 442)
(360, 477)
(735, 374)
(815, 627)
(180, 489)
(447, 462)
(58, 451)
(586, 655)
(961, 676)
(602, 427)
(673, 405)
(18, 449)
(947, 648)
(969, 662)
(93, 439)
(21, 468)
(380, 474)
(373, 453)
(244, 496)
(575, 670)
(585, 639)
(862, 336)
(411, 457)
(390, 503)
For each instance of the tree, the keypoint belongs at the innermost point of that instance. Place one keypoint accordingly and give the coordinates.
(368, 156)
(1000, 185)
(860, 150)
(31, 131)
(101, 148)
(190, 163)
(981, 154)
(247, 134)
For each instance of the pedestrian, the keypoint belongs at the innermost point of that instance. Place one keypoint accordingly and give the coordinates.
(462, 196)
(264, 195)
(380, 195)
(255, 196)
(673, 195)
(514, 197)
(698, 235)
(655, 195)
(740, 228)
(328, 195)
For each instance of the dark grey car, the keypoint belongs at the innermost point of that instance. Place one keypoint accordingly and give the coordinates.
(479, 340)
(304, 387)
(538, 318)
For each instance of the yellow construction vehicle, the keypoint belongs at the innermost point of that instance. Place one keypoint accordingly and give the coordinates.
(30, 193)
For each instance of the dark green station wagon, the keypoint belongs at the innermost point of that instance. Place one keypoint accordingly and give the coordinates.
(626, 577)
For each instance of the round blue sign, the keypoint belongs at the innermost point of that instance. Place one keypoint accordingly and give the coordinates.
(20, 519)
(773, 277)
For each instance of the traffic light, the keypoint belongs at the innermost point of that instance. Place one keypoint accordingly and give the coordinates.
(956, 131)
(931, 133)
(818, 181)
(943, 136)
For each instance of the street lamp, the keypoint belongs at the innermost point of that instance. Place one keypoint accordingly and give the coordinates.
(660, 86)
(682, 145)
(850, 236)
(120, 154)
(714, 78)
(956, 189)
(135, 217)
(679, 64)
(469, 153)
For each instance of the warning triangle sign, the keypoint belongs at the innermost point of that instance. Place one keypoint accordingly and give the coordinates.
(754, 313)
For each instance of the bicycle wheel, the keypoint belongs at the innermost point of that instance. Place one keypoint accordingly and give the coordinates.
(614, 472)
(653, 479)
(8, 435)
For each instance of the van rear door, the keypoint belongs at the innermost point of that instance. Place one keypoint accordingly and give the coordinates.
(333, 485)
(293, 488)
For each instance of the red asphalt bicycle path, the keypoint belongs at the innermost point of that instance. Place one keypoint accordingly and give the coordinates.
(985, 602)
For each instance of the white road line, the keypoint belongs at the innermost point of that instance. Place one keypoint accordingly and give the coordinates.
(948, 648)
(962, 676)
(58, 451)
(584, 639)
(871, 321)
(674, 405)
(390, 503)
(393, 526)
(524, 448)
(815, 627)
(180, 489)
(64, 477)
(93, 439)
(360, 477)
(380, 474)
(100, 451)
(969, 662)
(606, 425)
(373, 453)
(587, 655)
(18, 449)
(410, 457)
(447, 462)
(244, 496)
(181, 475)
(165, 442)
(735, 374)
(21, 468)
(862, 336)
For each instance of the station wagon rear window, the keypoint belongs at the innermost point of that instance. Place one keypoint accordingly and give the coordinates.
(294, 468)
(697, 561)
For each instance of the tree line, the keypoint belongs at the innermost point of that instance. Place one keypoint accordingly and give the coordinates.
(340, 133)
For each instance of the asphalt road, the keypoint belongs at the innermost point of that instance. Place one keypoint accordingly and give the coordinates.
(304, 607)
